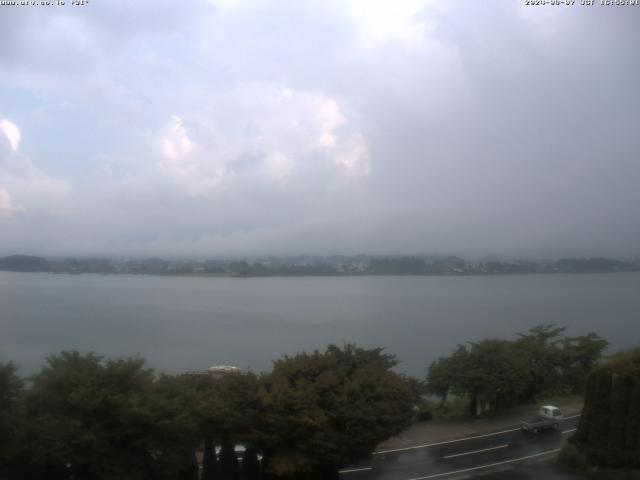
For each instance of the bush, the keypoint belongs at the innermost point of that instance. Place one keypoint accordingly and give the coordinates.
(425, 414)
(454, 407)
(571, 456)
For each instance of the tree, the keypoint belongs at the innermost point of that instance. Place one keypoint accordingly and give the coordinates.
(322, 410)
(609, 430)
(417, 387)
(227, 410)
(398, 266)
(174, 428)
(579, 355)
(209, 461)
(496, 374)
(24, 263)
(250, 464)
(88, 416)
(110, 420)
(445, 374)
(541, 348)
(11, 418)
(228, 467)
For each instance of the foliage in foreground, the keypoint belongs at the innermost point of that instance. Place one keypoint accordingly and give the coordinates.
(609, 431)
(497, 374)
(345, 401)
(88, 418)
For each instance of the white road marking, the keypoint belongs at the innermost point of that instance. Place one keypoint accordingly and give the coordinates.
(476, 451)
(569, 431)
(435, 475)
(426, 445)
(445, 442)
(352, 470)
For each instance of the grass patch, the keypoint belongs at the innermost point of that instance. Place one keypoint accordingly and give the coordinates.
(453, 408)
(457, 408)
(572, 402)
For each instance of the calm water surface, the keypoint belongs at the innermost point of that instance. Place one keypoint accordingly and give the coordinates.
(181, 323)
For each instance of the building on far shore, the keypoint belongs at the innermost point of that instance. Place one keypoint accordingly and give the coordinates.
(217, 371)
(220, 371)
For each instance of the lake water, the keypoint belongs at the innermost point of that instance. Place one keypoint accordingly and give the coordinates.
(184, 323)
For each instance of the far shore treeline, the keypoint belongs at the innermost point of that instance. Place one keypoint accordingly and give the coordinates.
(85, 417)
(316, 266)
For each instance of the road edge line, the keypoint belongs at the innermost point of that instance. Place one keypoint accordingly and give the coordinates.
(445, 442)
(471, 469)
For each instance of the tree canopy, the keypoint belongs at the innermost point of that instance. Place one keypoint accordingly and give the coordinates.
(609, 430)
(87, 417)
(496, 374)
(330, 408)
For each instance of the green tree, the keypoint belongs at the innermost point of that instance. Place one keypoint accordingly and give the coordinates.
(228, 467)
(445, 374)
(417, 387)
(87, 415)
(609, 430)
(540, 346)
(250, 464)
(227, 410)
(322, 410)
(106, 420)
(174, 430)
(209, 461)
(579, 355)
(11, 421)
(496, 374)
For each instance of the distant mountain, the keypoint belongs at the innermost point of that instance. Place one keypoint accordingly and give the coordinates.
(24, 263)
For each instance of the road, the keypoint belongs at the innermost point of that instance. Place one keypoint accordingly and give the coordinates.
(464, 457)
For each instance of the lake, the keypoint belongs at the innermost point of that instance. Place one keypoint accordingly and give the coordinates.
(188, 323)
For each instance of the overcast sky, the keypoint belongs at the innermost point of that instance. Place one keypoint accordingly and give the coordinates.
(231, 127)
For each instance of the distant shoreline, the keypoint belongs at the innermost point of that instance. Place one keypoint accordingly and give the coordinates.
(336, 266)
(328, 275)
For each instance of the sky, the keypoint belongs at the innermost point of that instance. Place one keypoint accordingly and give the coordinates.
(208, 128)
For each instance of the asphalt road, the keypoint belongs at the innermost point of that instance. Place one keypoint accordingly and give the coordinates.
(466, 457)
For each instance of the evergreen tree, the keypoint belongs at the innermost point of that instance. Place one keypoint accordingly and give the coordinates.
(609, 430)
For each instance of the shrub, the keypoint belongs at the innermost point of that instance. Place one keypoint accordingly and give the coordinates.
(425, 414)
(571, 456)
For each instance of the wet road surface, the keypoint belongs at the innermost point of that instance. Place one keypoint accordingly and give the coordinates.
(509, 449)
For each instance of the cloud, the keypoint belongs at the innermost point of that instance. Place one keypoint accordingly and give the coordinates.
(7, 209)
(11, 132)
(269, 137)
(22, 185)
(381, 20)
(316, 126)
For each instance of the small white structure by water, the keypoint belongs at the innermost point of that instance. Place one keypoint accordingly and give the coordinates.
(219, 371)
